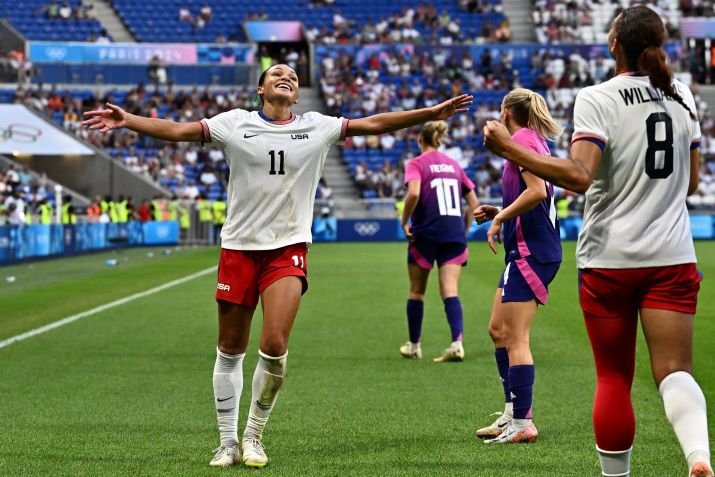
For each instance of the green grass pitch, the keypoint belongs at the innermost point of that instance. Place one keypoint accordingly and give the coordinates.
(128, 391)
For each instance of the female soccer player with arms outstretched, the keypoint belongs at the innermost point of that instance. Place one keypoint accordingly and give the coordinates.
(533, 255)
(275, 158)
(634, 152)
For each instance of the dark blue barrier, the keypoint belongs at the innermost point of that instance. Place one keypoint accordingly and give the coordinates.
(389, 230)
(39, 241)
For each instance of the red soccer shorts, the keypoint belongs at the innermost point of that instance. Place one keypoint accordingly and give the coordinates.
(613, 293)
(244, 274)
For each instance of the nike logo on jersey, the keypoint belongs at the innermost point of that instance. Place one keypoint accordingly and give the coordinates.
(224, 399)
(246, 136)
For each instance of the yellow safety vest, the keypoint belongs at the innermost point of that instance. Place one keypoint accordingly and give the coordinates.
(562, 208)
(205, 214)
(67, 217)
(173, 210)
(156, 210)
(113, 212)
(45, 214)
(219, 211)
(184, 218)
(122, 211)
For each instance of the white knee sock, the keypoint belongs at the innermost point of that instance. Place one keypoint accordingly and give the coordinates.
(686, 410)
(267, 381)
(615, 463)
(228, 384)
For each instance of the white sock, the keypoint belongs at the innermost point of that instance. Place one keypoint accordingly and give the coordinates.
(456, 344)
(615, 463)
(509, 409)
(228, 384)
(415, 346)
(519, 424)
(686, 410)
(267, 381)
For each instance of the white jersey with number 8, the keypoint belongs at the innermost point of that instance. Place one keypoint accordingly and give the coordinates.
(274, 172)
(635, 214)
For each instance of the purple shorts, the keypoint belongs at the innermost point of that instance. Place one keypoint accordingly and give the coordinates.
(525, 279)
(424, 252)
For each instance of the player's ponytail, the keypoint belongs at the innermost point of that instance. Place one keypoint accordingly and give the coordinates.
(641, 33)
(529, 109)
(433, 132)
(652, 62)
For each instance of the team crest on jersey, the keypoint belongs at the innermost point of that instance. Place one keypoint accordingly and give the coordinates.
(299, 136)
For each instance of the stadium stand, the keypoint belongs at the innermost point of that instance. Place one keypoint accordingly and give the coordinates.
(183, 21)
(411, 69)
(54, 20)
(588, 21)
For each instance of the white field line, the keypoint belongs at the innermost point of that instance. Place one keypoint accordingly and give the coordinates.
(101, 308)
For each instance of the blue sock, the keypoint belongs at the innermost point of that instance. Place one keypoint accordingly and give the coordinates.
(415, 312)
(453, 310)
(521, 387)
(502, 358)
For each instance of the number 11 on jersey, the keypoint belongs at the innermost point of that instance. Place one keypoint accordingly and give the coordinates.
(281, 163)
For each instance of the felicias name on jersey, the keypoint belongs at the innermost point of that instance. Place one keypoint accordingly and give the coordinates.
(641, 94)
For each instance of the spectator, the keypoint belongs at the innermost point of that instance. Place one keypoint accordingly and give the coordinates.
(157, 71)
(206, 12)
(65, 11)
(52, 10)
(185, 14)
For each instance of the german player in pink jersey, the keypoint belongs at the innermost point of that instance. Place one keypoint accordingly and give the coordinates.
(276, 158)
(634, 153)
(532, 246)
(436, 226)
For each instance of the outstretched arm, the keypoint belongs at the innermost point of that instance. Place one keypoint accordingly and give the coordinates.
(388, 122)
(115, 117)
(575, 173)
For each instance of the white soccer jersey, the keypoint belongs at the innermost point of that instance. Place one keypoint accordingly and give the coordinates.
(635, 214)
(274, 171)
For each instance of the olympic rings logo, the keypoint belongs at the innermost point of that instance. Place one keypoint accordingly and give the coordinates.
(56, 53)
(367, 229)
(22, 133)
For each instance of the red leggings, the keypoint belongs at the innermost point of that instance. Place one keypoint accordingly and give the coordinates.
(610, 300)
(613, 341)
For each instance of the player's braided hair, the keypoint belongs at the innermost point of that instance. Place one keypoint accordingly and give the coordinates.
(529, 109)
(433, 132)
(641, 33)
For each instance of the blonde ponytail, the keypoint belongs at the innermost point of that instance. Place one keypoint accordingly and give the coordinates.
(529, 110)
(433, 132)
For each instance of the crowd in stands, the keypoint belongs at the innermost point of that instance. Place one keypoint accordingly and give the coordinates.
(589, 21)
(423, 23)
(697, 8)
(393, 80)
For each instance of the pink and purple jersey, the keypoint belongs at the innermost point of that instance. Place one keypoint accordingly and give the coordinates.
(438, 215)
(535, 233)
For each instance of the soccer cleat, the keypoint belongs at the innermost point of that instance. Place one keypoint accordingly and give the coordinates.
(512, 435)
(410, 350)
(453, 353)
(253, 453)
(496, 427)
(701, 469)
(225, 457)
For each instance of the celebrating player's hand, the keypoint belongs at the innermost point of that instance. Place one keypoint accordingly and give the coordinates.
(456, 105)
(105, 120)
(494, 232)
(485, 213)
(496, 137)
